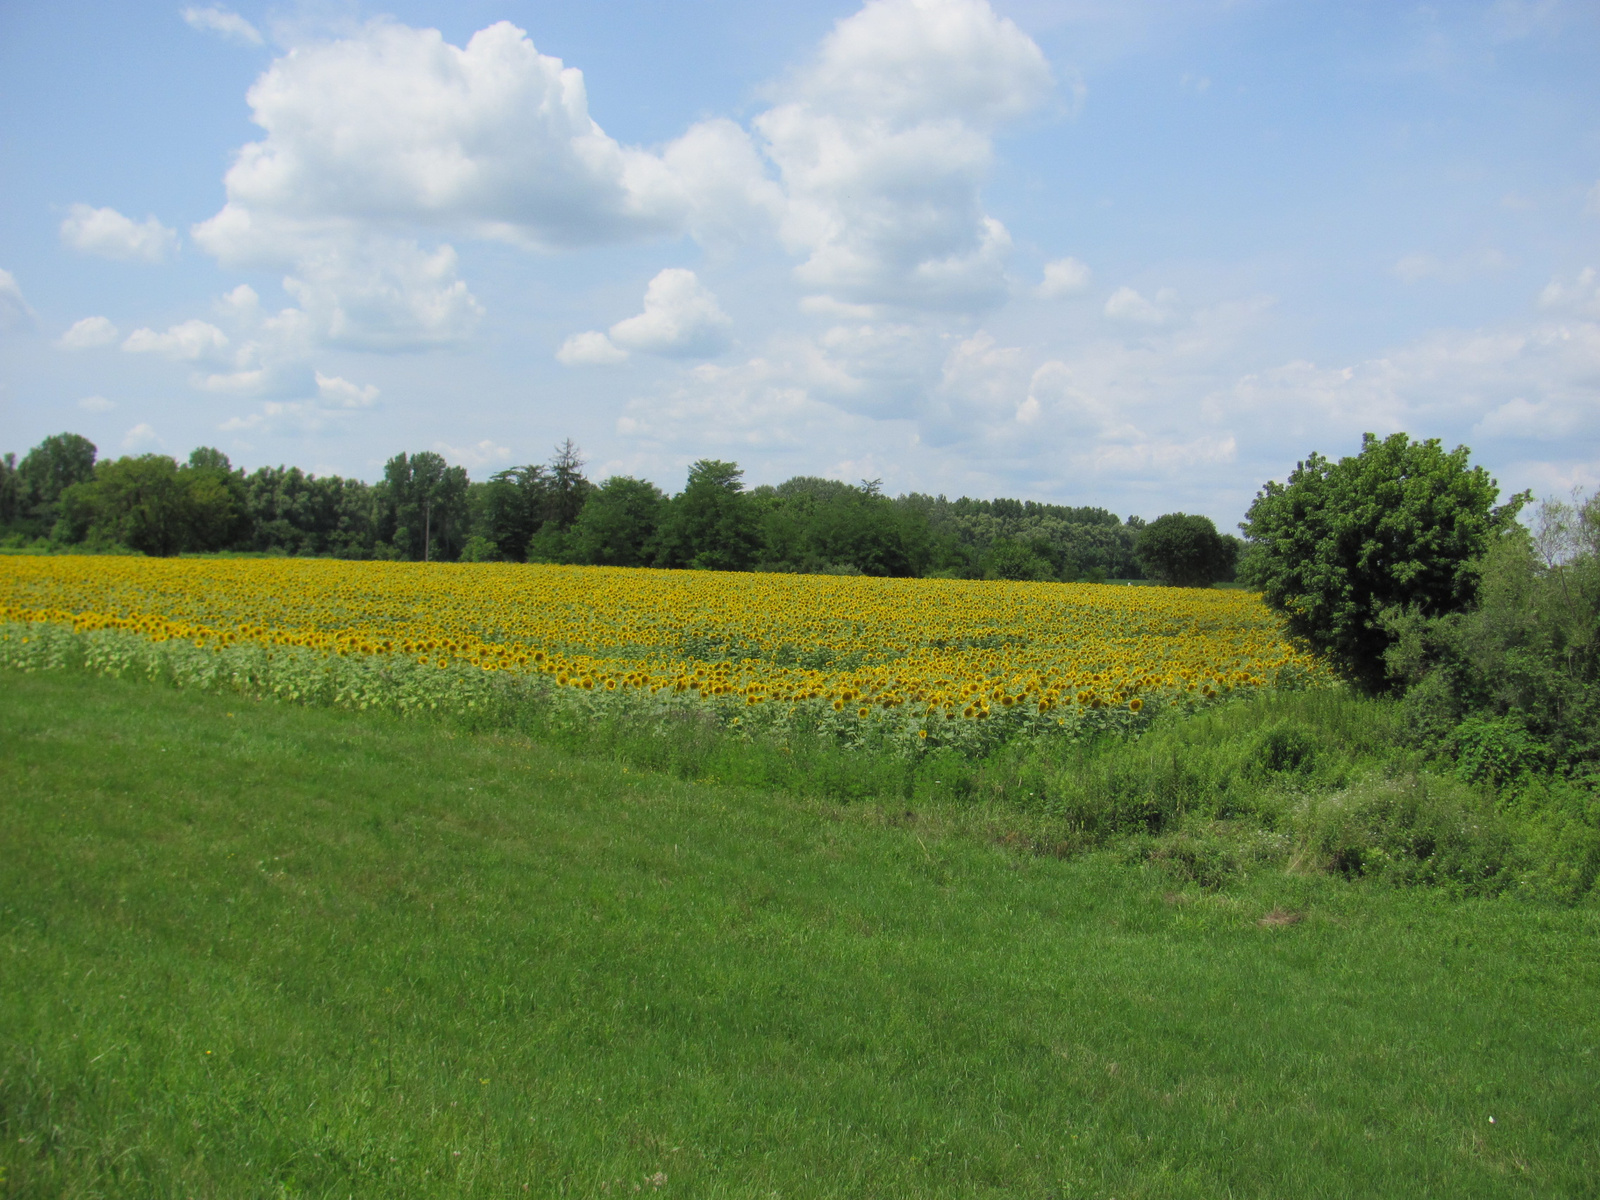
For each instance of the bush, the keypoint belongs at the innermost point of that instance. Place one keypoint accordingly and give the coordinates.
(1414, 830)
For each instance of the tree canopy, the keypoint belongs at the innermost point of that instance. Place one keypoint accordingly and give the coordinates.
(1403, 525)
(425, 509)
(1185, 551)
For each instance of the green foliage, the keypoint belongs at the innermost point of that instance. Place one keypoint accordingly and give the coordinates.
(1078, 543)
(31, 491)
(153, 505)
(294, 513)
(1402, 525)
(713, 524)
(618, 524)
(10, 491)
(422, 507)
(1005, 559)
(479, 549)
(823, 526)
(1415, 831)
(1185, 551)
(1510, 688)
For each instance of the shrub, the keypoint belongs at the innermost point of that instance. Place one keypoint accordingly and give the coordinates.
(1412, 831)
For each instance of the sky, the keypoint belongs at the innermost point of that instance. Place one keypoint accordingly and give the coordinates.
(1143, 254)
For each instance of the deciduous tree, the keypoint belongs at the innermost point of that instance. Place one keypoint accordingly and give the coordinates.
(1402, 525)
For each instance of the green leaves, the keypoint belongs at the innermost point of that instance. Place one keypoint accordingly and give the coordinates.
(1402, 524)
(1184, 551)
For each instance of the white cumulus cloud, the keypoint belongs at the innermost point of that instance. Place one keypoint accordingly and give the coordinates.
(381, 145)
(681, 318)
(882, 144)
(341, 393)
(485, 453)
(590, 349)
(1064, 277)
(109, 234)
(1127, 305)
(88, 334)
(190, 341)
(222, 21)
(96, 404)
(394, 123)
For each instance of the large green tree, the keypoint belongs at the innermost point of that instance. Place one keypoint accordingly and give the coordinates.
(423, 504)
(565, 492)
(219, 517)
(1181, 550)
(141, 503)
(45, 472)
(617, 527)
(712, 524)
(1402, 525)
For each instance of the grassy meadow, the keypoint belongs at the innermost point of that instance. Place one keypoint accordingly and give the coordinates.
(257, 949)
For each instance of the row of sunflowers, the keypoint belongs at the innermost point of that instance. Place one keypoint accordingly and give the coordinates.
(947, 649)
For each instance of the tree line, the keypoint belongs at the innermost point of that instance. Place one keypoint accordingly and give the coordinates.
(423, 509)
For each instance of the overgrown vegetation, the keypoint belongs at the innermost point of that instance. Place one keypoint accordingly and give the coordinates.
(1320, 782)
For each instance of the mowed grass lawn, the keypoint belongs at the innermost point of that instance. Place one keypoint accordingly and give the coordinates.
(256, 950)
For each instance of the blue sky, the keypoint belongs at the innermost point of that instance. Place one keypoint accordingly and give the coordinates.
(1145, 255)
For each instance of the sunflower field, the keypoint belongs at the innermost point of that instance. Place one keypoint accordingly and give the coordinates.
(855, 648)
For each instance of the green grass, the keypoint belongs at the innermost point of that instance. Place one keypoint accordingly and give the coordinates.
(250, 949)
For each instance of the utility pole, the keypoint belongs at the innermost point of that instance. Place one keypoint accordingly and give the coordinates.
(427, 529)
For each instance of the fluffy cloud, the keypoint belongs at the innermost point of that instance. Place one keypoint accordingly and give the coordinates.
(336, 400)
(1128, 306)
(221, 21)
(14, 310)
(384, 294)
(379, 144)
(486, 453)
(88, 334)
(96, 404)
(882, 145)
(341, 393)
(394, 124)
(109, 234)
(1580, 298)
(591, 349)
(1064, 277)
(192, 341)
(681, 319)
